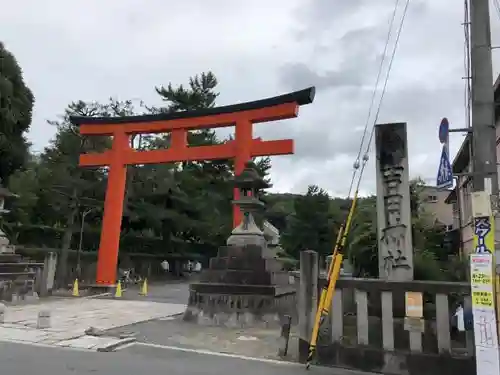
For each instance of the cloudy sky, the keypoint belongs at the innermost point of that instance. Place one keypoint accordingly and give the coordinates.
(91, 50)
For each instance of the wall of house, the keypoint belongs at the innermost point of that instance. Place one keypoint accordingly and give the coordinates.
(433, 202)
(465, 183)
(465, 190)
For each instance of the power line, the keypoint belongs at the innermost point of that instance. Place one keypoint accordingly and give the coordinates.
(496, 4)
(396, 43)
(374, 93)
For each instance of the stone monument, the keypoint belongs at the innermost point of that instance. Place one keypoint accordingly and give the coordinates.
(244, 284)
(395, 247)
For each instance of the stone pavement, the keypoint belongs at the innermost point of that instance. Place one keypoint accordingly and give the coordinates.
(171, 292)
(70, 318)
(174, 332)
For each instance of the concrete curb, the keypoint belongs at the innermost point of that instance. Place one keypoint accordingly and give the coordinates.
(144, 321)
(115, 345)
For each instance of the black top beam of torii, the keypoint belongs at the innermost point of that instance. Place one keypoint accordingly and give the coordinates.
(301, 97)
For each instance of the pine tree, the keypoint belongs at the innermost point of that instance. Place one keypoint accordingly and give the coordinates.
(16, 106)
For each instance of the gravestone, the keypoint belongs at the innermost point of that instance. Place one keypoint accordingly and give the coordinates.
(245, 283)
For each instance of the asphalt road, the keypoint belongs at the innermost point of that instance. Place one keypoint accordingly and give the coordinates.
(17, 359)
(171, 292)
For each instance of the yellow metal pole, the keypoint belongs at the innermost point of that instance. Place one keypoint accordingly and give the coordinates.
(322, 297)
(326, 296)
(323, 307)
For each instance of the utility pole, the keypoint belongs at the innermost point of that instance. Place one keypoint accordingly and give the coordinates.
(485, 283)
(485, 176)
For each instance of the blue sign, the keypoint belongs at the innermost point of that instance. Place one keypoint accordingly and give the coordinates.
(482, 227)
(444, 129)
(445, 173)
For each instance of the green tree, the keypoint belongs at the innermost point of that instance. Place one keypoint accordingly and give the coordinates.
(192, 199)
(25, 183)
(309, 227)
(362, 244)
(66, 189)
(430, 257)
(16, 106)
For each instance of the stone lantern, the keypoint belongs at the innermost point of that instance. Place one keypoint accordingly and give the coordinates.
(247, 232)
(244, 284)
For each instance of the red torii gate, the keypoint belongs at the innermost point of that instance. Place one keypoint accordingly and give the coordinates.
(242, 149)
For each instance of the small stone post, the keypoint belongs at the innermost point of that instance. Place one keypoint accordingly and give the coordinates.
(329, 260)
(285, 335)
(308, 299)
(43, 321)
(48, 274)
(2, 313)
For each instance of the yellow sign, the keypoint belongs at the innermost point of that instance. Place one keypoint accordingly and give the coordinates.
(480, 278)
(482, 299)
(414, 305)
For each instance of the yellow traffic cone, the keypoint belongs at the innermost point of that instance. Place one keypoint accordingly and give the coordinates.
(76, 292)
(144, 288)
(118, 291)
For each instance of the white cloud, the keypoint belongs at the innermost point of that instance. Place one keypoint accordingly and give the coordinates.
(91, 50)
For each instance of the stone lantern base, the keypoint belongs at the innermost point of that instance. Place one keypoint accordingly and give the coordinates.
(242, 287)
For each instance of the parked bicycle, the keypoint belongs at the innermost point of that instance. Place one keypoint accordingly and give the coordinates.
(129, 277)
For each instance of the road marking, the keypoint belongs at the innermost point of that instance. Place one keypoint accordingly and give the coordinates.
(97, 295)
(208, 352)
(121, 347)
(104, 294)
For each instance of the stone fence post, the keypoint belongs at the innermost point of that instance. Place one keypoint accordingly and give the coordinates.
(48, 274)
(308, 299)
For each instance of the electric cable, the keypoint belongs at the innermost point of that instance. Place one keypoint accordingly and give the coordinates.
(335, 265)
(374, 94)
(496, 4)
(384, 89)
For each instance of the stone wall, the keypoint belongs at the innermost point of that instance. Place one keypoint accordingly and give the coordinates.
(147, 265)
(367, 335)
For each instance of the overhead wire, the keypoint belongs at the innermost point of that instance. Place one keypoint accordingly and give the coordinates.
(374, 94)
(335, 264)
(344, 229)
(384, 89)
(496, 4)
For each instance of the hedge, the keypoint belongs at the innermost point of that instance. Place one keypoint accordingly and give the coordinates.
(50, 237)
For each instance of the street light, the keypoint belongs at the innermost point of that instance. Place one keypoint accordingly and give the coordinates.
(84, 214)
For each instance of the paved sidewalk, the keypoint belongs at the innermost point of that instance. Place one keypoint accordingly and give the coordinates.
(70, 318)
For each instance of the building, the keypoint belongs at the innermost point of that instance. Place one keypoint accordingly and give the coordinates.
(433, 203)
(460, 197)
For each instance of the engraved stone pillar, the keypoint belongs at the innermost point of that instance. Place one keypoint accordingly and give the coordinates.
(395, 247)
